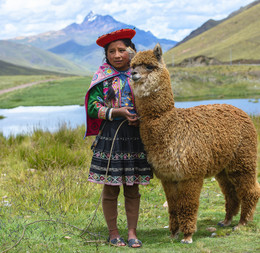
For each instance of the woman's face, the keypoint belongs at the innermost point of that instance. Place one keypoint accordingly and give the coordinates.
(118, 56)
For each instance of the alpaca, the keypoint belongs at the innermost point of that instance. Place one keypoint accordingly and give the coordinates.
(184, 146)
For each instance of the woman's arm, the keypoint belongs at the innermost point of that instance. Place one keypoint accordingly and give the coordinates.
(96, 104)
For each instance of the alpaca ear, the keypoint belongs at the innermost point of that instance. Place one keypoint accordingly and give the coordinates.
(131, 52)
(158, 51)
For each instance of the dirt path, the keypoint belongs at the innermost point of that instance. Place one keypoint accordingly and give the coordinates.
(22, 86)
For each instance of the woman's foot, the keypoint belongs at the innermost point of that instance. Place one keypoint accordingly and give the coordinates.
(118, 242)
(133, 242)
(115, 239)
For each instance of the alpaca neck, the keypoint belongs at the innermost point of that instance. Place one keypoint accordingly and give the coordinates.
(155, 105)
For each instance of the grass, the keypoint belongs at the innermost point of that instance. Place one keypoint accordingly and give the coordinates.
(43, 179)
(65, 91)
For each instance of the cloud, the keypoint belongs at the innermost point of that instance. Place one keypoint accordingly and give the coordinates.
(166, 19)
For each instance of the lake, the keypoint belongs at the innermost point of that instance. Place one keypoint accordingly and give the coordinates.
(24, 120)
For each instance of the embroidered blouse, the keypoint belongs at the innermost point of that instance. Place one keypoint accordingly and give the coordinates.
(97, 109)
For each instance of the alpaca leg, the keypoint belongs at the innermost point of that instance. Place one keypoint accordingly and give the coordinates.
(170, 189)
(249, 192)
(243, 174)
(231, 198)
(188, 204)
(244, 178)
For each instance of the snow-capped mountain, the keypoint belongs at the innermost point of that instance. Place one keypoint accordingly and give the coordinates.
(77, 42)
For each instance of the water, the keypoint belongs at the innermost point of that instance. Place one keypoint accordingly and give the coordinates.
(24, 120)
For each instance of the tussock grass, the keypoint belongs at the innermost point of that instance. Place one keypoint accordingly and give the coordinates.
(215, 82)
(43, 179)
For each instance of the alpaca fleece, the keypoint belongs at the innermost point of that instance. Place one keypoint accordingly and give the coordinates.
(184, 146)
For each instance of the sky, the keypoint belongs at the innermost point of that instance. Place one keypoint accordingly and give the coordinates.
(168, 19)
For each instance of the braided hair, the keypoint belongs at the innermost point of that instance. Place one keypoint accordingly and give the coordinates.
(111, 93)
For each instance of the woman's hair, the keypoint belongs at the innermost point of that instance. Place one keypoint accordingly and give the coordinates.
(111, 93)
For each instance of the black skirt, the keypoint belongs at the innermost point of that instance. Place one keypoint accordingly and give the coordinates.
(127, 165)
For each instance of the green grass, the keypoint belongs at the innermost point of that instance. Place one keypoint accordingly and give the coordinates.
(65, 91)
(43, 179)
(16, 80)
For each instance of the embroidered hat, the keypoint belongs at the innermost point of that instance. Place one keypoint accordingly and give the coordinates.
(116, 35)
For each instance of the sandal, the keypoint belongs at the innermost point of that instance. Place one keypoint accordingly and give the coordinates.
(116, 242)
(132, 242)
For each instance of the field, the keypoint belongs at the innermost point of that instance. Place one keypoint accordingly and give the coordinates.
(211, 82)
(44, 190)
(63, 91)
(46, 202)
(16, 80)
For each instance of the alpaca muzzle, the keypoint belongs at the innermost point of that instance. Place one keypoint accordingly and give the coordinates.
(135, 76)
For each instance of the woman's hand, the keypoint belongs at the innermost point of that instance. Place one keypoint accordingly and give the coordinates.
(124, 112)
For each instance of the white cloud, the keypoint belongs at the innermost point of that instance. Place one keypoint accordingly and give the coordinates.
(9, 28)
(79, 19)
(166, 19)
(181, 34)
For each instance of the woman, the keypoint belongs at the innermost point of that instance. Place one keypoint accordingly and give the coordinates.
(111, 114)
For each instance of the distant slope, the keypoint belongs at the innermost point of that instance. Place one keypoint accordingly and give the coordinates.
(8, 69)
(211, 22)
(234, 39)
(90, 56)
(32, 57)
(206, 26)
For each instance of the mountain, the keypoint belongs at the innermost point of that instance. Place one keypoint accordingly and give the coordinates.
(32, 57)
(77, 42)
(8, 69)
(232, 40)
(211, 22)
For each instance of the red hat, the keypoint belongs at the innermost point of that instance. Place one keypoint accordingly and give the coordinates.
(116, 35)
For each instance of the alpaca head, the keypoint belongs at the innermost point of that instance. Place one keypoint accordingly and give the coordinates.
(147, 68)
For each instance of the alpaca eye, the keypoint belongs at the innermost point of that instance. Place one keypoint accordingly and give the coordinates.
(149, 67)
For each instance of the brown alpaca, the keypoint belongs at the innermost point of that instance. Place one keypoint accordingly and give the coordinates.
(184, 146)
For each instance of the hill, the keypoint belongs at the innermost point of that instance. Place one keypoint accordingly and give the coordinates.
(211, 22)
(77, 42)
(9, 69)
(31, 57)
(232, 40)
